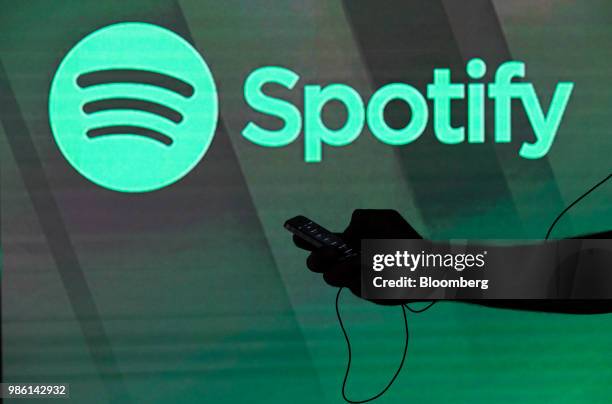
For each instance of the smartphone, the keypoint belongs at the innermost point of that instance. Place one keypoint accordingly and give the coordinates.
(318, 236)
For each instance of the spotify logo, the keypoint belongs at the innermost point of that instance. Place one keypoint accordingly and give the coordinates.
(133, 107)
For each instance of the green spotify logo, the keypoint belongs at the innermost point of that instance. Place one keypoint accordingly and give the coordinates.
(133, 107)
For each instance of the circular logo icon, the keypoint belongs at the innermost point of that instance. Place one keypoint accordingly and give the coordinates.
(133, 107)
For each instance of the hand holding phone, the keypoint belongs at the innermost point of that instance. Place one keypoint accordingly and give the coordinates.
(336, 255)
(318, 236)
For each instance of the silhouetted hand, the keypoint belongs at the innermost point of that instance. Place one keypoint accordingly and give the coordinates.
(389, 224)
(365, 224)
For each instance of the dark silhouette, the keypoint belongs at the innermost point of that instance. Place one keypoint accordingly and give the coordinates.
(389, 224)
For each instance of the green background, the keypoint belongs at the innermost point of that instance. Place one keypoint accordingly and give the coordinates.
(199, 290)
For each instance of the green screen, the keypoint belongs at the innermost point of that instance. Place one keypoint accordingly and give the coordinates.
(195, 293)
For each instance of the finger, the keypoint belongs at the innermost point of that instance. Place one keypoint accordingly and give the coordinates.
(356, 290)
(385, 302)
(344, 274)
(303, 244)
(322, 259)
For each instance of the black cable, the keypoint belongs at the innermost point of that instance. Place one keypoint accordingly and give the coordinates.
(550, 229)
(574, 203)
(421, 310)
(348, 346)
(348, 365)
(405, 306)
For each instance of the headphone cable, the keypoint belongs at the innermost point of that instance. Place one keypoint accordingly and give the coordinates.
(405, 306)
(600, 183)
(350, 356)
